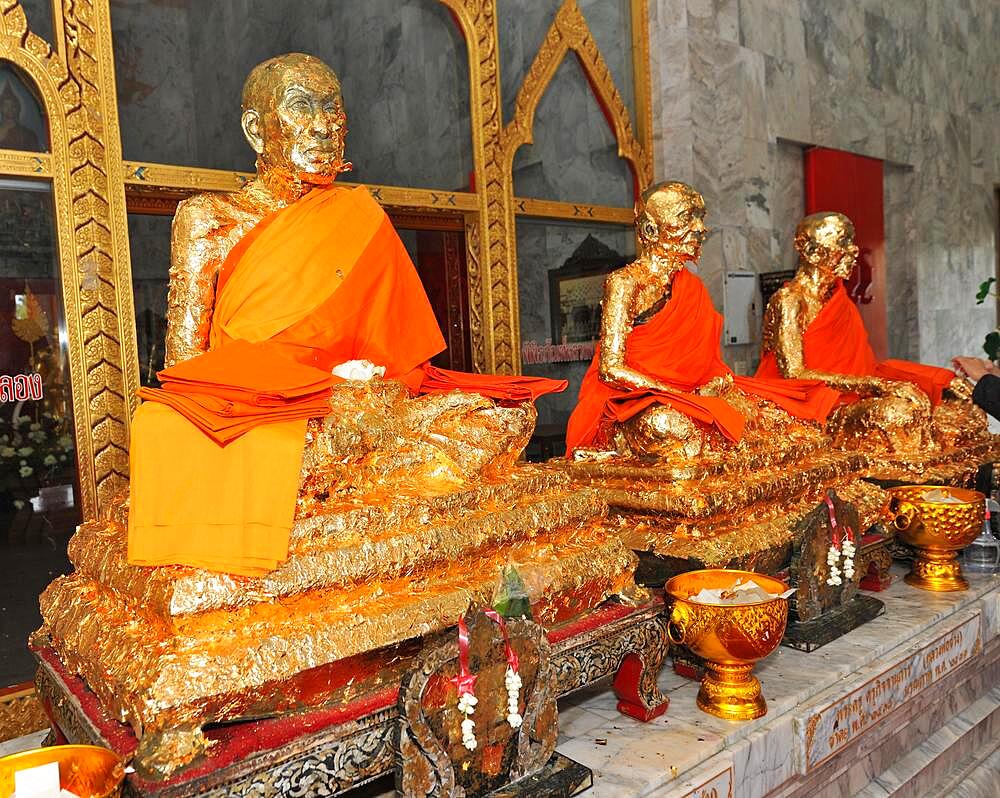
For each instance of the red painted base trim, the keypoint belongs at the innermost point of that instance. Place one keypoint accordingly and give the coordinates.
(626, 687)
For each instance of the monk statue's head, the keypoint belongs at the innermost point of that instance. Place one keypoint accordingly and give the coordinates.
(670, 221)
(293, 116)
(825, 243)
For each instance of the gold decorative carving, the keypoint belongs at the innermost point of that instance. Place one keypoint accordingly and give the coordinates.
(90, 221)
(552, 209)
(21, 713)
(569, 31)
(29, 164)
(474, 275)
(497, 313)
(184, 181)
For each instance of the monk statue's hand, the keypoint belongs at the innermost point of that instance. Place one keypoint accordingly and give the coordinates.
(960, 388)
(909, 392)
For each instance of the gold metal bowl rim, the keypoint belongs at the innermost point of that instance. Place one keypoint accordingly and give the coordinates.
(754, 575)
(115, 764)
(975, 497)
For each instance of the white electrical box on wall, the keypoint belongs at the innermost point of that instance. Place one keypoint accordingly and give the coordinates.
(741, 307)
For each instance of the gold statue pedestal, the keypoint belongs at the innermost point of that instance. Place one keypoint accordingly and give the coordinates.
(725, 510)
(170, 649)
(937, 531)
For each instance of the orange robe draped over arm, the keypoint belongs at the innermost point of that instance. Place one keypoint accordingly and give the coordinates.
(216, 452)
(836, 342)
(680, 347)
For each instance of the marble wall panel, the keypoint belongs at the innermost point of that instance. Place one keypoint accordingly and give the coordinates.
(574, 155)
(914, 82)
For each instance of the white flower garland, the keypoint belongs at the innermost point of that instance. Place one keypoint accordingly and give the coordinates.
(513, 682)
(833, 556)
(467, 706)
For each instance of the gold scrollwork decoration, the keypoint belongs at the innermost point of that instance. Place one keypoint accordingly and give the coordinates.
(90, 223)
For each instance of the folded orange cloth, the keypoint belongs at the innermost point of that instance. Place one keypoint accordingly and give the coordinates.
(679, 347)
(495, 386)
(837, 342)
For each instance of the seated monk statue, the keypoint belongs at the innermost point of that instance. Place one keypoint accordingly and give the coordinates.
(657, 386)
(299, 340)
(812, 330)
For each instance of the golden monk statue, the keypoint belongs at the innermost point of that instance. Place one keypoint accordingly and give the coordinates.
(354, 307)
(294, 505)
(658, 385)
(701, 468)
(812, 330)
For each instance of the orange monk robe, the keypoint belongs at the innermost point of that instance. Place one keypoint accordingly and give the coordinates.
(321, 282)
(836, 342)
(679, 346)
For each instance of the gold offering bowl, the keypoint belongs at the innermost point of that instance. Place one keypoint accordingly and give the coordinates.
(85, 770)
(730, 638)
(936, 530)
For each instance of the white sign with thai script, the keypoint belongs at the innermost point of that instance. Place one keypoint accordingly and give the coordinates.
(718, 786)
(831, 728)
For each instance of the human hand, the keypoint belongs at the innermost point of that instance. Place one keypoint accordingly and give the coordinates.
(972, 367)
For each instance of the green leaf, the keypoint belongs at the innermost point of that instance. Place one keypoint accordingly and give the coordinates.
(984, 290)
(512, 600)
(992, 345)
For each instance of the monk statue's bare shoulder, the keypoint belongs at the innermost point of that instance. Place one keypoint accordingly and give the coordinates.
(205, 227)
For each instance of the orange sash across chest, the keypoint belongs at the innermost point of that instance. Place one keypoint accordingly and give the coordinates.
(680, 347)
(836, 342)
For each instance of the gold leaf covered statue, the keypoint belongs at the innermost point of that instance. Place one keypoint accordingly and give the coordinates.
(812, 330)
(294, 506)
(658, 385)
(703, 467)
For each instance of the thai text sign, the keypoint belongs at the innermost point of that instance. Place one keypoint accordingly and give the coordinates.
(832, 727)
(718, 786)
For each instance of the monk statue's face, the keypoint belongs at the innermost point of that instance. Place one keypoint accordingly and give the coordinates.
(294, 116)
(670, 222)
(825, 241)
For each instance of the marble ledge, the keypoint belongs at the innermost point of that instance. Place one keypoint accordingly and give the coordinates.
(687, 752)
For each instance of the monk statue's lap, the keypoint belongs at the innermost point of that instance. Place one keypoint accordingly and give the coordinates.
(379, 441)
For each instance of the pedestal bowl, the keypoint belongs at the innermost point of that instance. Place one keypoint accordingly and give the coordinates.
(730, 638)
(936, 530)
(87, 771)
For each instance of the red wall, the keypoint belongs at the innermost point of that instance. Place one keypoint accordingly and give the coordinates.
(852, 185)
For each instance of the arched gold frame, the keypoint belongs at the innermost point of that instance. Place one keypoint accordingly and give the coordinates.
(75, 77)
(84, 167)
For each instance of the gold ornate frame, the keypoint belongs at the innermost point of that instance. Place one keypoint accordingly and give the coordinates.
(75, 78)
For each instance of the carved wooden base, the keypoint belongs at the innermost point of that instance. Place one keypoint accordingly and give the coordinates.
(560, 778)
(331, 750)
(834, 623)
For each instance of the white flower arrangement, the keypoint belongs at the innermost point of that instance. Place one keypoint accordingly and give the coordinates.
(833, 559)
